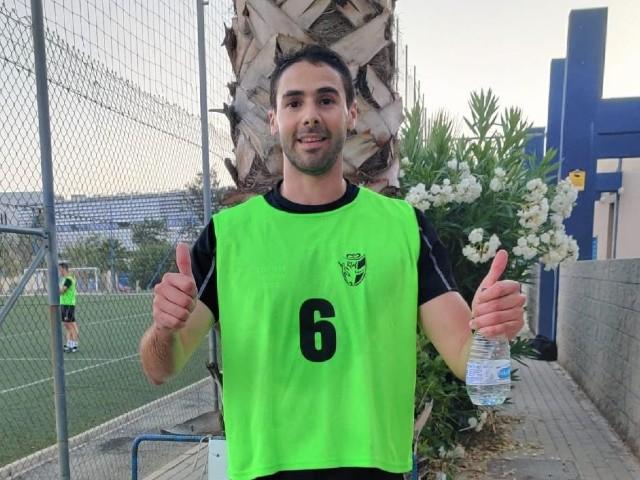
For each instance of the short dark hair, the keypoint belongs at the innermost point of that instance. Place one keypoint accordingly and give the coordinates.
(64, 264)
(314, 54)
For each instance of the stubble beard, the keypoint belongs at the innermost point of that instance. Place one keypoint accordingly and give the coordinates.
(314, 165)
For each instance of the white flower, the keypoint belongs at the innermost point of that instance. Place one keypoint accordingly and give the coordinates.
(483, 420)
(545, 238)
(524, 247)
(442, 452)
(478, 251)
(499, 172)
(533, 240)
(494, 243)
(476, 235)
(556, 220)
(471, 253)
(536, 184)
(562, 249)
(574, 250)
(418, 197)
(468, 189)
(441, 194)
(564, 199)
(532, 216)
(405, 162)
(464, 167)
(458, 452)
(401, 173)
(473, 422)
(537, 190)
(495, 184)
(453, 164)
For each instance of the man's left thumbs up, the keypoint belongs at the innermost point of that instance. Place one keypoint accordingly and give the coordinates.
(497, 307)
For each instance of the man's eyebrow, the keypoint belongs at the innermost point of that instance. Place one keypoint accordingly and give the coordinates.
(292, 93)
(327, 90)
(320, 91)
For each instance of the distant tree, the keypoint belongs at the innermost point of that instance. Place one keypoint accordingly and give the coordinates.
(148, 231)
(15, 254)
(151, 261)
(195, 198)
(154, 255)
(97, 251)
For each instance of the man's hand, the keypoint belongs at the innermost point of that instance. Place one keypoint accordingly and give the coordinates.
(175, 296)
(497, 307)
(180, 322)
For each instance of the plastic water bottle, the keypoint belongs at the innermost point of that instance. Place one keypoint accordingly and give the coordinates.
(489, 370)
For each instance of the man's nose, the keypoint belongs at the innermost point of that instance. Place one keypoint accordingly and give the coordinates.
(311, 117)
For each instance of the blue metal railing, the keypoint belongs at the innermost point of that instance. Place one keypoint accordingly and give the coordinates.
(158, 438)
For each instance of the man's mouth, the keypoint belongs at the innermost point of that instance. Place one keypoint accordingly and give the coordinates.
(311, 140)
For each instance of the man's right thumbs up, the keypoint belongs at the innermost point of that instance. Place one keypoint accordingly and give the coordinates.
(183, 259)
(175, 296)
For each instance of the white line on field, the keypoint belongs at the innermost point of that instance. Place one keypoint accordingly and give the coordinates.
(46, 359)
(37, 382)
(80, 324)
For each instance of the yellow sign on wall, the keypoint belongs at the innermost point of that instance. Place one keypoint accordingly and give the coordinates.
(577, 179)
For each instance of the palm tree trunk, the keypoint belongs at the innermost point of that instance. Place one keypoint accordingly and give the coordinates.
(361, 32)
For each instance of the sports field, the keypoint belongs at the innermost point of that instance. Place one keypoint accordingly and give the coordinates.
(103, 379)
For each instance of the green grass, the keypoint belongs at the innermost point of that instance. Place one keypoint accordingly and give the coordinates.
(103, 379)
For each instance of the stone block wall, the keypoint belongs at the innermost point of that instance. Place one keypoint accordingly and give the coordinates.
(598, 338)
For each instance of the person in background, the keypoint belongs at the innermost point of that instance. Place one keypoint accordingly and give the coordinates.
(68, 306)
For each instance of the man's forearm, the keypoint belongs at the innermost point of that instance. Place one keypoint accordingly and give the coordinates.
(445, 321)
(161, 354)
(460, 368)
(164, 354)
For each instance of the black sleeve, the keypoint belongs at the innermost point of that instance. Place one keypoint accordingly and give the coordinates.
(203, 266)
(67, 283)
(434, 267)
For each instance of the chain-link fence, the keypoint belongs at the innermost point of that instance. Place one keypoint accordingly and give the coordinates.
(127, 157)
(407, 84)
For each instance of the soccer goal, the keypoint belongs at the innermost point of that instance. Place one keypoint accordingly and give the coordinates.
(87, 280)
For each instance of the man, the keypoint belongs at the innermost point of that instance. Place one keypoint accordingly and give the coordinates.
(68, 307)
(316, 286)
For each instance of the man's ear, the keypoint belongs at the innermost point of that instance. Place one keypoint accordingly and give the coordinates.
(273, 124)
(353, 115)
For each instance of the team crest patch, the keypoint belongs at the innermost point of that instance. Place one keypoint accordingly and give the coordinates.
(354, 268)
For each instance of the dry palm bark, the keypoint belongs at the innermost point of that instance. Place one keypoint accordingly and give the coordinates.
(360, 31)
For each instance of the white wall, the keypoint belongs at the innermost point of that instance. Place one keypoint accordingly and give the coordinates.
(628, 231)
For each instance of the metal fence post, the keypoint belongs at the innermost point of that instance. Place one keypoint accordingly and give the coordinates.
(206, 177)
(397, 59)
(50, 228)
(406, 75)
(414, 87)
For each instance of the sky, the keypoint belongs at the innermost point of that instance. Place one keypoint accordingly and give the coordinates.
(123, 95)
(459, 46)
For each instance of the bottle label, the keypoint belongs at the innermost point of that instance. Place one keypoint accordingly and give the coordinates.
(488, 372)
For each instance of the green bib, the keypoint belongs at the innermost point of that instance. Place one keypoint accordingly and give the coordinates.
(69, 296)
(318, 321)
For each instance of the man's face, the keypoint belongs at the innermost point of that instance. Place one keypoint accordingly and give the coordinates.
(312, 117)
